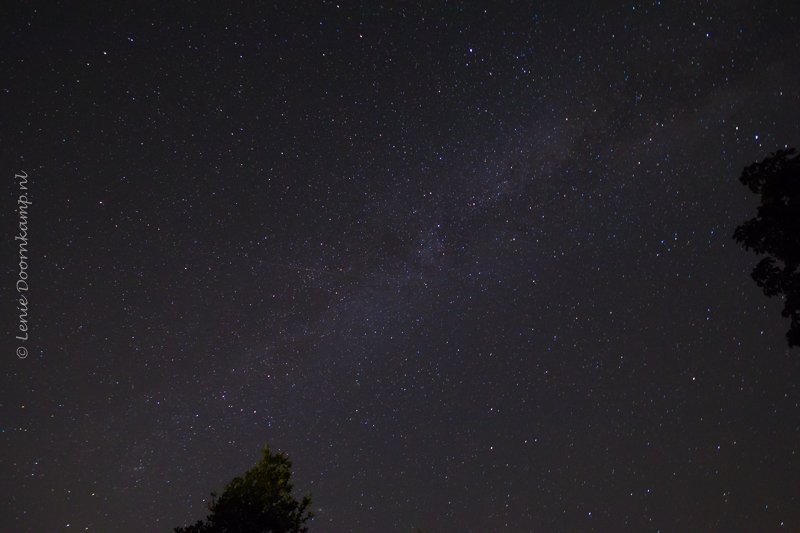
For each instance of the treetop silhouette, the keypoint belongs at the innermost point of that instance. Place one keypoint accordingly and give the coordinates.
(260, 501)
(775, 231)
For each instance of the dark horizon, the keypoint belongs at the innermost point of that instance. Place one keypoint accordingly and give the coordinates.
(470, 266)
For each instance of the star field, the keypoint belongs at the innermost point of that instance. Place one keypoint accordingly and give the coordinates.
(469, 265)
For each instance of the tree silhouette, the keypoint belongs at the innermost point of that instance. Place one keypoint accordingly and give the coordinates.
(261, 501)
(775, 231)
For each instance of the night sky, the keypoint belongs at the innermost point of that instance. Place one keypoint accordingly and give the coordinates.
(469, 265)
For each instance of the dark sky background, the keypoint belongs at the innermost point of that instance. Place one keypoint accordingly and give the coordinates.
(470, 265)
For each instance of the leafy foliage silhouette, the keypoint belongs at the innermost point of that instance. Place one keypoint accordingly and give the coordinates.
(260, 501)
(775, 231)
